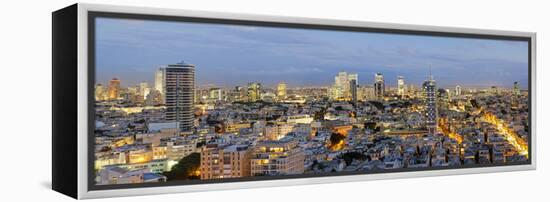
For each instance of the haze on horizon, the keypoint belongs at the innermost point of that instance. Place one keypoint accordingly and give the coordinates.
(230, 55)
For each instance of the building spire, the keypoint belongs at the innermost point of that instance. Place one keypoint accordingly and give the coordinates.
(430, 77)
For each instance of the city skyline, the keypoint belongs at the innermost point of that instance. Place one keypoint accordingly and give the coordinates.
(392, 84)
(126, 50)
(172, 129)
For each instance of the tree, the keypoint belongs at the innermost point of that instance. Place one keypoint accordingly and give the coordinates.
(185, 169)
(201, 143)
(377, 104)
(350, 156)
(320, 115)
(336, 141)
(336, 137)
(370, 125)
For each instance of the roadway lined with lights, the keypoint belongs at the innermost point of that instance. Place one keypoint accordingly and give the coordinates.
(443, 127)
(517, 142)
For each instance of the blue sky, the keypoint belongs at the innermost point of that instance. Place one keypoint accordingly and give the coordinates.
(230, 55)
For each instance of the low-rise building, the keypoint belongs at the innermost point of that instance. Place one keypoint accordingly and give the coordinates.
(225, 162)
(117, 175)
(281, 157)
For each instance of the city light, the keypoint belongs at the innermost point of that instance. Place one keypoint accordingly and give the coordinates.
(246, 104)
(256, 130)
(244, 132)
(443, 127)
(519, 144)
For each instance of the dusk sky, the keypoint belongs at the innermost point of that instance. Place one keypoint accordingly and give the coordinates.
(230, 55)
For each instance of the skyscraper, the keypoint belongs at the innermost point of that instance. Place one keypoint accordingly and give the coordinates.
(216, 94)
(179, 83)
(341, 90)
(239, 94)
(353, 90)
(400, 86)
(369, 93)
(458, 91)
(429, 91)
(99, 92)
(379, 86)
(144, 89)
(341, 78)
(114, 89)
(159, 80)
(517, 90)
(254, 91)
(281, 91)
(353, 76)
(341, 85)
(348, 93)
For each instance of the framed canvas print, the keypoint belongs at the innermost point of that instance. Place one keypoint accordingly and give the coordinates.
(149, 101)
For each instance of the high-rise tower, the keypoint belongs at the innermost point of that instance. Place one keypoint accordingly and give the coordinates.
(254, 91)
(400, 86)
(114, 89)
(517, 90)
(159, 80)
(99, 92)
(341, 90)
(281, 91)
(429, 92)
(353, 90)
(379, 86)
(144, 89)
(458, 91)
(179, 84)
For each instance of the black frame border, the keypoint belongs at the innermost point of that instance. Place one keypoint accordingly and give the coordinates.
(64, 101)
(93, 15)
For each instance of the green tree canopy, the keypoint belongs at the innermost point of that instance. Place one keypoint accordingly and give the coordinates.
(185, 169)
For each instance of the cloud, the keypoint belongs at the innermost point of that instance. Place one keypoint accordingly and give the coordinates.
(242, 27)
(247, 52)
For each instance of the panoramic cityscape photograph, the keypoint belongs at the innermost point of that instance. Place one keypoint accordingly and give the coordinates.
(195, 101)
